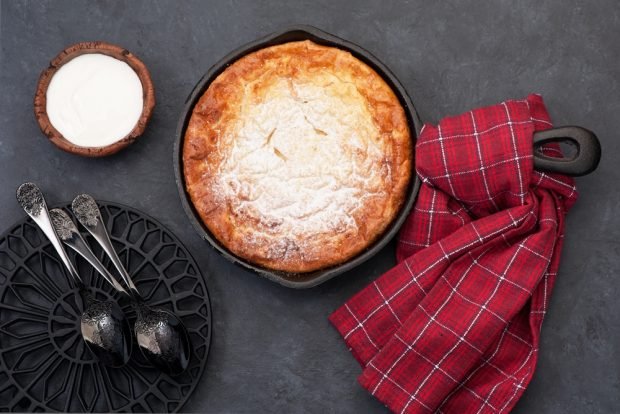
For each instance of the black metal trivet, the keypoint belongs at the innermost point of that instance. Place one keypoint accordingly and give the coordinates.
(44, 364)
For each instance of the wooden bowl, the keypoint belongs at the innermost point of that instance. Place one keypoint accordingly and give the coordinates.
(40, 98)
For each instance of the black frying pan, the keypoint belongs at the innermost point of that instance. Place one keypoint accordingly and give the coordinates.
(584, 162)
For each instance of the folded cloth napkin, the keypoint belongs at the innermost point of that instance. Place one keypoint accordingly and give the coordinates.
(455, 326)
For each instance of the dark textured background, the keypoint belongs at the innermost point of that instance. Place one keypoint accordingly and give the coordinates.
(273, 349)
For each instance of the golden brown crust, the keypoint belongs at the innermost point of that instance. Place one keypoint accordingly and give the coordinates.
(317, 118)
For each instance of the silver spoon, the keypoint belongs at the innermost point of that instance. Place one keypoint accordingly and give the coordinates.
(71, 237)
(162, 337)
(103, 325)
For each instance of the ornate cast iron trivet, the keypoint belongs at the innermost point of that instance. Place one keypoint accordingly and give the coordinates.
(44, 364)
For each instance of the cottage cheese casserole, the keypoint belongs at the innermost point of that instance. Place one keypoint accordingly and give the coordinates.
(297, 157)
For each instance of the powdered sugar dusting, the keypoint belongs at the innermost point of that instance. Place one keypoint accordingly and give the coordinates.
(302, 160)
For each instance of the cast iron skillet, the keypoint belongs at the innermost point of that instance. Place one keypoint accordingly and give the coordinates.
(584, 162)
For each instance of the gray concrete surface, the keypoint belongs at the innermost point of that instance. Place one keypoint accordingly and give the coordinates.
(273, 349)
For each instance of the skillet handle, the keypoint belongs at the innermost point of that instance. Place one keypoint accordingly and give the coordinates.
(588, 151)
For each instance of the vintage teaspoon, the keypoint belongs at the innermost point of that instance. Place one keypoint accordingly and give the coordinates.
(71, 237)
(103, 325)
(161, 335)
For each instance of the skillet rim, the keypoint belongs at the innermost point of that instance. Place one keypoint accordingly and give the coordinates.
(289, 34)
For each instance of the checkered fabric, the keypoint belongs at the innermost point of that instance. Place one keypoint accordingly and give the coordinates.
(455, 326)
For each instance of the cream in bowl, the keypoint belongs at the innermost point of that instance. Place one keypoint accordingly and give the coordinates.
(94, 99)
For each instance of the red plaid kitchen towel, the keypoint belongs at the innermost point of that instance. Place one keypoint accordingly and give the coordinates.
(455, 326)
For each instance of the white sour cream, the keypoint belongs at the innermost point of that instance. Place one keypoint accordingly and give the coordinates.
(94, 100)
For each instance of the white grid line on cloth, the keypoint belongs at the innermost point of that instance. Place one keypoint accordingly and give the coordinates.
(386, 375)
(422, 332)
(430, 222)
(386, 302)
(548, 219)
(516, 385)
(547, 259)
(463, 205)
(485, 131)
(471, 325)
(484, 168)
(446, 212)
(446, 255)
(543, 311)
(527, 359)
(370, 364)
(452, 331)
(477, 234)
(544, 121)
(462, 384)
(458, 214)
(424, 357)
(572, 188)
(445, 161)
(517, 337)
(414, 278)
(486, 401)
(514, 147)
(410, 243)
(500, 276)
(514, 394)
(547, 274)
(359, 324)
(541, 120)
(541, 177)
(506, 240)
(529, 213)
(471, 301)
(421, 210)
(511, 216)
(498, 194)
(475, 348)
(515, 223)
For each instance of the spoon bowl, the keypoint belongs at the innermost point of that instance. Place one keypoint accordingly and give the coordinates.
(163, 339)
(106, 331)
